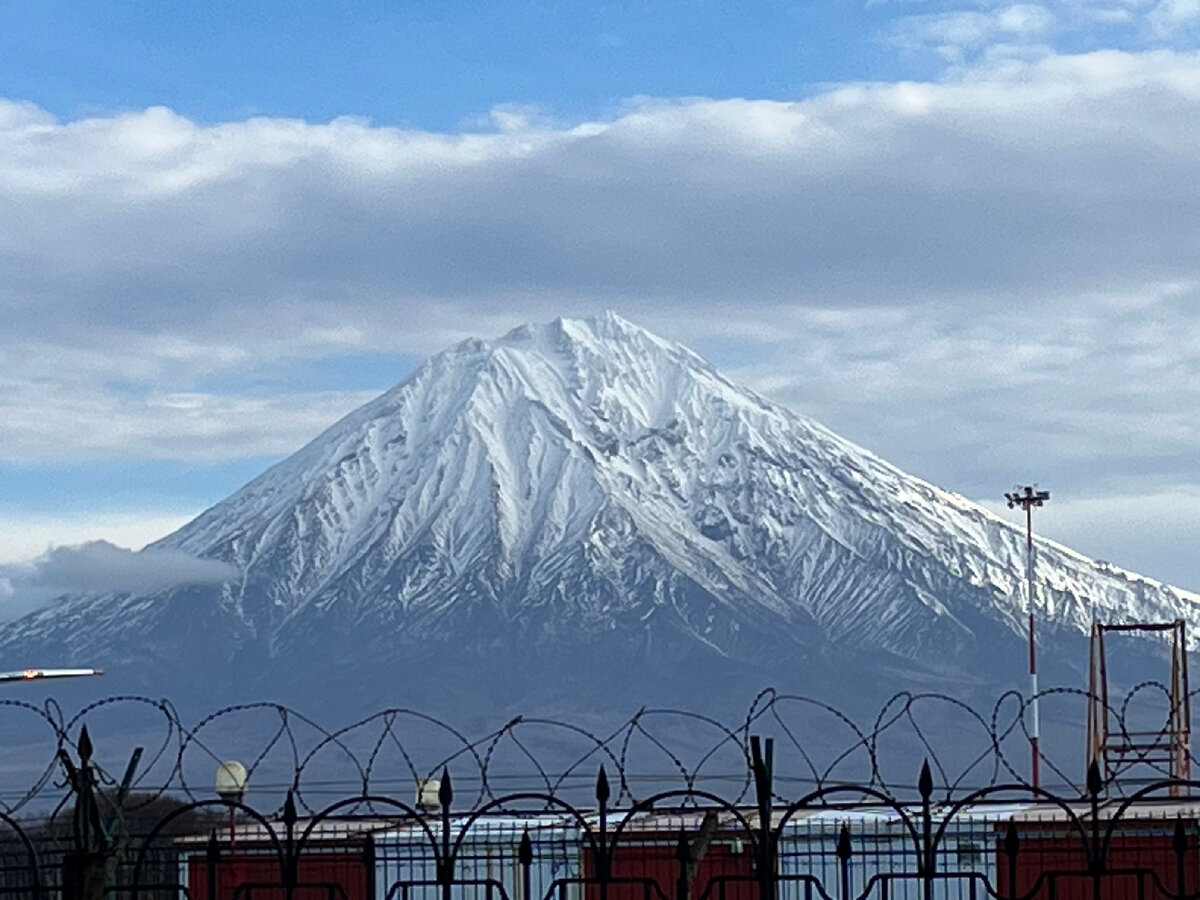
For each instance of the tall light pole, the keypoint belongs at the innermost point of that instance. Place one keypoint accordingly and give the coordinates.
(1027, 497)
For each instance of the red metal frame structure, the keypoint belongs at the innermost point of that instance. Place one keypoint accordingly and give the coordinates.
(1114, 748)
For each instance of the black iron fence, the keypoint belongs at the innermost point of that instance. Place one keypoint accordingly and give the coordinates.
(845, 841)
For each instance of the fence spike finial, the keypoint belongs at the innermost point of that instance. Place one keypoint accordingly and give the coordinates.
(85, 745)
(844, 847)
(602, 790)
(445, 789)
(213, 850)
(1012, 840)
(525, 849)
(925, 782)
(1095, 783)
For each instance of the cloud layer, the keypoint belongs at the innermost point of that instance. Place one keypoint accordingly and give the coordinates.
(979, 277)
(99, 567)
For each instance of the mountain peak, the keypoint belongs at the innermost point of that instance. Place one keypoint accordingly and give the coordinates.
(607, 325)
(607, 335)
(600, 374)
(585, 484)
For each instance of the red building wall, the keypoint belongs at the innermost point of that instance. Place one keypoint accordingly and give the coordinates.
(655, 861)
(321, 876)
(1137, 855)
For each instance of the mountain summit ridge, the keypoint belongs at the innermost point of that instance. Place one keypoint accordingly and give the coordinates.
(586, 483)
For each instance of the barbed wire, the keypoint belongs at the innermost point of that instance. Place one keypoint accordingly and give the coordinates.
(816, 746)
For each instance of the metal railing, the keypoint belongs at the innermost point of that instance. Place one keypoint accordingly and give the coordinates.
(852, 841)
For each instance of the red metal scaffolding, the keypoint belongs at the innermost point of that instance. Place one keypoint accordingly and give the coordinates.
(1110, 742)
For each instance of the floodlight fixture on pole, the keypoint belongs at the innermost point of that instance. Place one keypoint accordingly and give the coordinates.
(231, 787)
(231, 781)
(1027, 497)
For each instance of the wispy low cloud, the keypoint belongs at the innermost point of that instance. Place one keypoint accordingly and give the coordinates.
(957, 33)
(1169, 16)
(27, 534)
(966, 32)
(99, 567)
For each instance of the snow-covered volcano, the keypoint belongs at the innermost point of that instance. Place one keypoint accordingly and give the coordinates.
(578, 503)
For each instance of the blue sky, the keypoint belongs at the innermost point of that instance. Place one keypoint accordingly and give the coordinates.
(439, 66)
(960, 232)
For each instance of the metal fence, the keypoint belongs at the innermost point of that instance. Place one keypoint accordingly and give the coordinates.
(843, 841)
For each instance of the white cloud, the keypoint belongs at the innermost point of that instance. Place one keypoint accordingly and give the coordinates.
(1140, 532)
(966, 32)
(1168, 16)
(26, 536)
(957, 33)
(99, 567)
(290, 237)
(45, 420)
(1090, 390)
(980, 278)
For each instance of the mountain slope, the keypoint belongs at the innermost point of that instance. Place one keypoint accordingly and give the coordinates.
(586, 491)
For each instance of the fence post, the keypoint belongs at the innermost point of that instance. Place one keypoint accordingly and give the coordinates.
(683, 855)
(1095, 787)
(761, 767)
(368, 855)
(603, 869)
(291, 864)
(844, 849)
(87, 870)
(445, 873)
(1012, 846)
(212, 864)
(927, 861)
(1179, 844)
(525, 859)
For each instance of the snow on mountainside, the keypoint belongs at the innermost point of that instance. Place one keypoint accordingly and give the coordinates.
(584, 482)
